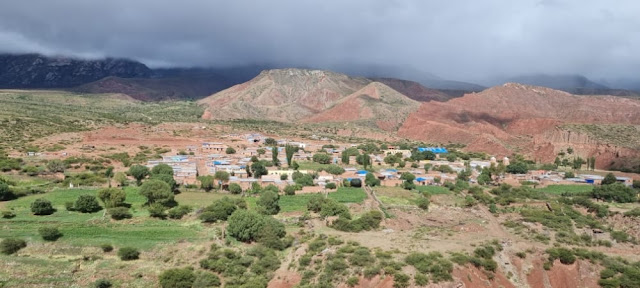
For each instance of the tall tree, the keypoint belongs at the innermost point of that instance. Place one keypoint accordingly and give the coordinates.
(289, 150)
(274, 156)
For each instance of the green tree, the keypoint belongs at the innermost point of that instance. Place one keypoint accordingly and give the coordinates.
(557, 161)
(577, 163)
(371, 180)
(609, 179)
(364, 160)
(235, 188)
(42, 206)
(166, 178)
(334, 169)
(261, 151)
(517, 168)
(121, 178)
(322, 158)
(258, 169)
(290, 190)
(206, 182)
(220, 210)
(109, 174)
(177, 278)
(230, 150)
(268, 203)
(157, 191)
(274, 156)
(138, 172)
(157, 210)
(49, 233)
(6, 193)
(270, 142)
(408, 181)
(221, 176)
(295, 165)
(616, 192)
(162, 169)
(56, 166)
(87, 204)
(570, 150)
(246, 225)
(569, 174)
(128, 253)
(289, 150)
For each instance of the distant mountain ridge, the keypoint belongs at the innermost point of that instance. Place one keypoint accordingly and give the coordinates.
(37, 71)
(572, 83)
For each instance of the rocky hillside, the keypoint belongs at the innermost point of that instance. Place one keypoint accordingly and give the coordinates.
(508, 118)
(307, 95)
(37, 71)
(415, 90)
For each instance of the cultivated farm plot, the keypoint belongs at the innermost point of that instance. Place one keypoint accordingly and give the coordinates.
(93, 229)
(433, 190)
(298, 203)
(559, 189)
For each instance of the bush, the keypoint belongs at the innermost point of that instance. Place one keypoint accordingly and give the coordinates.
(106, 248)
(284, 177)
(156, 210)
(179, 212)
(268, 203)
(355, 182)
(120, 213)
(49, 233)
(334, 169)
(42, 206)
(322, 158)
(230, 150)
(330, 185)
(290, 190)
(128, 254)
(421, 279)
(400, 280)
(206, 279)
(565, 255)
(11, 245)
(423, 203)
(8, 214)
(87, 204)
(177, 278)
(102, 283)
(247, 226)
(616, 192)
(235, 188)
(157, 191)
(5, 192)
(220, 210)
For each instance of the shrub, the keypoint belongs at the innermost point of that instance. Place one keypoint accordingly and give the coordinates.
(235, 188)
(616, 192)
(334, 169)
(322, 158)
(423, 203)
(49, 233)
(284, 177)
(106, 248)
(156, 210)
(102, 283)
(5, 192)
(400, 280)
(128, 253)
(87, 204)
(177, 278)
(330, 185)
(565, 255)
(421, 279)
(246, 226)
(352, 281)
(157, 191)
(206, 279)
(42, 206)
(8, 214)
(120, 213)
(230, 150)
(179, 212)
(355, 182)
(220, 210)
(290, 190)
(11, 245)
(268, 203)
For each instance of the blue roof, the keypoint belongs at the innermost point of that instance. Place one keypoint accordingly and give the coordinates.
(392, 170)
(362, 172)
(421, 179)
(437, 150)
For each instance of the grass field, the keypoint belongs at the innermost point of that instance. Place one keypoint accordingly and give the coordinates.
(92, 229)
(396, 195)
(298, 203)
(559, 189)
(433, 190)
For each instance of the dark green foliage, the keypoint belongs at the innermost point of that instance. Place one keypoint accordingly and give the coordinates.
(400, 280)
(258, 169)
(206, 182)
(327, 207)
(423, 203)
(268, 203)
(119, 213)
(11, 245)
(565, 255)
(609, 179)
(106, 248)
(334, 169)
(177, 278)
(569, 174)
(42, 206)
(433, 263)
(290, 190)
(230, 150)
(128, 254)
(166, 178)
(361, 257)
(179, 211)
(355, 182)
(220, 210)
(247, 226)
(49, 233)
(322, 158)
(234, 188)
(616, 192)
(421, 279)
(519, 167)
(8, 214)
(635, 212)
(302, 179)
(162, 169)
(444, 169)
(371, 180)
(157, 191)
(6, 193)
(87, 204)
(368, 221)
(102, 283)
(156, 210)
(112, 197)
(330, 185)
(139, 172)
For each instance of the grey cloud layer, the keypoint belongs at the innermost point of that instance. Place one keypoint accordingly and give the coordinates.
(455, 39)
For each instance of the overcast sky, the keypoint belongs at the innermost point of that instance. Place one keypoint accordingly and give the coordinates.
(466, 40)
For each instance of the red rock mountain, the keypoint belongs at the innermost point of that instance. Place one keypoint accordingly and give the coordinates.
(520, 118)
(294, 95)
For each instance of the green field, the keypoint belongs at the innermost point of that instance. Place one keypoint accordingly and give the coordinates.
(92, 229)
(298, 203)
(571, 188)
(396, 196)
(433, 190)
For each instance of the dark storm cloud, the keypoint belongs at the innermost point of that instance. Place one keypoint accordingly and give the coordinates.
(469, 40)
